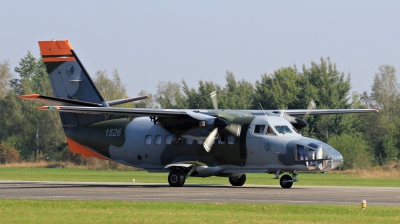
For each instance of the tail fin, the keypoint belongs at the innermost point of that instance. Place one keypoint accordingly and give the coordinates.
(70, 80)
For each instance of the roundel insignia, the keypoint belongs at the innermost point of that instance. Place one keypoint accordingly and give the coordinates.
(69, 69)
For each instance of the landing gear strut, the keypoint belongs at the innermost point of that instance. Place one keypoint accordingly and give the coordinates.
(286, 181)
(237, 181)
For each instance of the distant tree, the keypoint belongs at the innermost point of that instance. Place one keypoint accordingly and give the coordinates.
(329, 88)
(169, 95)
(385, 92)
(5, 78)
(278, 90)
(383, 127)
(237, 94)
(354, 149)
(8, 154)
(110, 88)
(27, 122)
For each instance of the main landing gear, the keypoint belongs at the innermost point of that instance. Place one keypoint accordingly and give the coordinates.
(176, 178)
(238, 181)
(286, 181)
(178, 175)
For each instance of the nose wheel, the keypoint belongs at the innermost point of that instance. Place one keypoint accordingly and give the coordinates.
(286, 181)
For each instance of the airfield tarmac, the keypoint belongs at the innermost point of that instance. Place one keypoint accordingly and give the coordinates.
(199, 193)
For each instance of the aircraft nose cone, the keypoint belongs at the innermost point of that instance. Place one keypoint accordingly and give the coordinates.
(335, 158)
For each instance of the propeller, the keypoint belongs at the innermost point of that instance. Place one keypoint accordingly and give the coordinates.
(209, 142)
(311, 106)
(299, 123)
(219, 123)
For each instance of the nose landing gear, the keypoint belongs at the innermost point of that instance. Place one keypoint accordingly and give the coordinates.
(286, 181)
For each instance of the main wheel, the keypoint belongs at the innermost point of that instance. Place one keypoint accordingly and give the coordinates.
(176, 178)
(283, 182)
(237, 181)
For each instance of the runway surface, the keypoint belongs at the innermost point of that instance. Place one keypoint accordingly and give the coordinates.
(200, 193)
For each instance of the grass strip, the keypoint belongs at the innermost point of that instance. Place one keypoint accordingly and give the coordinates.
(72, 211)
(83, 175)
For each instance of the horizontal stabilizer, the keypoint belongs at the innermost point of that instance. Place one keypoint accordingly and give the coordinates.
(56, 101)
(137, 112)
(127, 100)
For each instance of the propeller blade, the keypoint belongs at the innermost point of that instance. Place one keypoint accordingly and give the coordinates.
(288, 117)
(296, 122)
(209, 142)
(213, 96)
(311, 106)
(234, 129)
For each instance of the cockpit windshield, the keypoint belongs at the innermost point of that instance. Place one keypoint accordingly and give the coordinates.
(283, 129)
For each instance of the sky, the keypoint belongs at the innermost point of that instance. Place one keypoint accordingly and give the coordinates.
(151, 41)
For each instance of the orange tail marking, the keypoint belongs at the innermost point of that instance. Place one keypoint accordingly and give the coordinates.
(80, 149)
(56, 50)
(29, 96)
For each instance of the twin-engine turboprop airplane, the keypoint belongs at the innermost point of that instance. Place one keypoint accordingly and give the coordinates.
(187, 143)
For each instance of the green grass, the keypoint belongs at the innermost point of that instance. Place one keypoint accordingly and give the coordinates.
(76, 211)
(58, 174)
(69, 211)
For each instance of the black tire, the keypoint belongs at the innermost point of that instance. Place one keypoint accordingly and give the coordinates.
(286, 184)
(176, 178)
(238, 181)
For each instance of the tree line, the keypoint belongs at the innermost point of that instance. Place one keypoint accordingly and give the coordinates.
(364, 140)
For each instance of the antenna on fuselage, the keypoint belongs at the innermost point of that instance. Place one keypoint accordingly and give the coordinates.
(262, 108)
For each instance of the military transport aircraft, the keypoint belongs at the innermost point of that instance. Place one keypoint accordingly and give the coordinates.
(187, 143)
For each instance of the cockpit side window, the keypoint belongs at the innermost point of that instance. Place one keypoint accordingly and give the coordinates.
(283, 129)
(259, 129)
(269, 131)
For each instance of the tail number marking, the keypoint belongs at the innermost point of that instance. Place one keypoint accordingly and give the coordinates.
(113, 132)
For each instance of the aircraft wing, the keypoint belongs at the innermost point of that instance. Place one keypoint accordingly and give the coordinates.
(328, 111)
(197, 115)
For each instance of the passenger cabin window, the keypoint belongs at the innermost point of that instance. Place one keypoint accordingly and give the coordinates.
(231, 139)
(158, 140)
(168, 139)
(221, 139)
(259, 129)
(147, 140)
(189, 141)
(283, 129)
